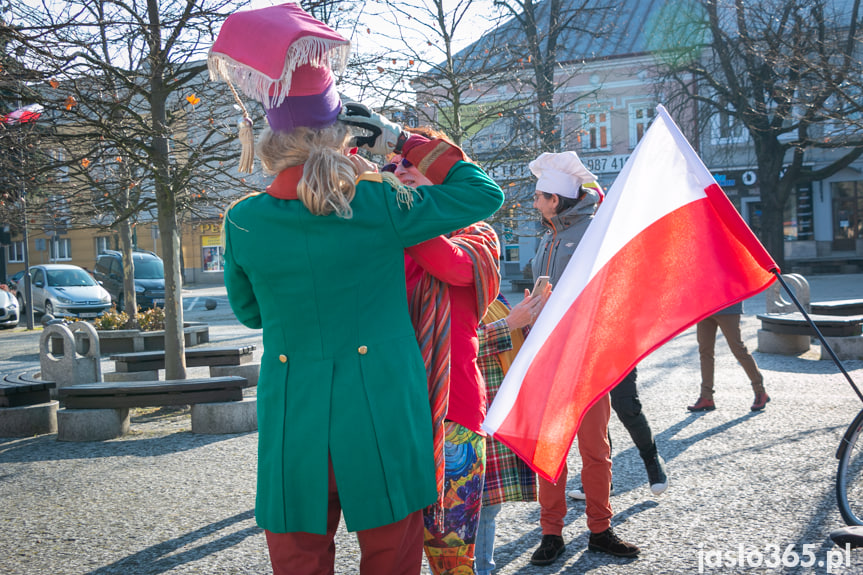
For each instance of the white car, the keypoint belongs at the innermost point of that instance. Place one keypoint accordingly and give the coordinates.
(8, 309)
(64, 290)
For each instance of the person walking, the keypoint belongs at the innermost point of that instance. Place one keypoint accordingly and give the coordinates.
(728, 320)
(566, 197)
(317, 262)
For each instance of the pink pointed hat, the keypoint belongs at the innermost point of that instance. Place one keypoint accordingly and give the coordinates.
(284, 58)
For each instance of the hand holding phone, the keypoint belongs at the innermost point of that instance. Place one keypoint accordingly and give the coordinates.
(539, 286)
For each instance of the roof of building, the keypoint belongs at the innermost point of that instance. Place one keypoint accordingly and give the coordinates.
(621, 29)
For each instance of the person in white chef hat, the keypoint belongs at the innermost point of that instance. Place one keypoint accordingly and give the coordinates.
(567, 195)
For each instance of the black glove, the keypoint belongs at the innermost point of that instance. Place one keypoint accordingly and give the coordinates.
(385, 137)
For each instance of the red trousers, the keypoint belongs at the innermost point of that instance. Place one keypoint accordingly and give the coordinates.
(595, 453)
(394, 549)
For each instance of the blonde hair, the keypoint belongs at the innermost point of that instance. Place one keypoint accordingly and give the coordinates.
(327, 184)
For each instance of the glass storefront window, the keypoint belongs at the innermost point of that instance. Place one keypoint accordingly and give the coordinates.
(212, 255)
(847, 214)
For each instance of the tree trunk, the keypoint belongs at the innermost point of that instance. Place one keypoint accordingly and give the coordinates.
(166, 202)
(769, 155)
(130, 299)
(175, 345)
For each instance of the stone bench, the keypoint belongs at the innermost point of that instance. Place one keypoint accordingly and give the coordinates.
(521, 284)
(131, 340)
(222, 361)
(839, 307)
(26, 407)
(791, 334)
(99, 411)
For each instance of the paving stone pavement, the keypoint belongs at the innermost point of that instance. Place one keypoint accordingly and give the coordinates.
(163, 500)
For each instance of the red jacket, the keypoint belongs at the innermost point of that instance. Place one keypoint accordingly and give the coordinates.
(449, 263)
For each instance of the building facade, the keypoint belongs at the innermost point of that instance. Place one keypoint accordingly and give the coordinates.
(606, 92)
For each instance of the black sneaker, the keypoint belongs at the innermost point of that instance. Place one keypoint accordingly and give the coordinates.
(549, 550)
(609, 542)
(656, 475)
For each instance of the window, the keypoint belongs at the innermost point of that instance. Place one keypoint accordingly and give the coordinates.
(102, 243)
(59, 156)
(60, 249)
(16, 252)
(595, 129)
(640, 117)
(725, 129)
(847, 214)
(212, 254)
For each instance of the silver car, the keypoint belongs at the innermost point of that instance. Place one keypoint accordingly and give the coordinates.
(8, 309)
(64, 290)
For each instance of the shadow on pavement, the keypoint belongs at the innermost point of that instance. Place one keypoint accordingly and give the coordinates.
(156, 559)
(47, 448)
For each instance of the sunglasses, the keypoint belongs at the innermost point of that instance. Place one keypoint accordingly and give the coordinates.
(391, 167)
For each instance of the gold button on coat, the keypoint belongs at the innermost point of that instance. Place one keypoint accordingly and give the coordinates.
(363, 350)
(283, 358)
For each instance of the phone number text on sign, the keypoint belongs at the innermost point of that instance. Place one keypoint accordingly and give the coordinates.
(773, 556)
(605, 164)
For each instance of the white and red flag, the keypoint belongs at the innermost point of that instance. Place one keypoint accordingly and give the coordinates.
(665, 250)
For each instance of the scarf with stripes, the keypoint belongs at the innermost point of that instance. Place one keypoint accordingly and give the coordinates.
(430, 313)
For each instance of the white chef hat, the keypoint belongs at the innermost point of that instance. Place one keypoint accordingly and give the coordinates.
(560, 174)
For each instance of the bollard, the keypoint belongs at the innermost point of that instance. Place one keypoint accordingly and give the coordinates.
(80, 361)
(775, 300)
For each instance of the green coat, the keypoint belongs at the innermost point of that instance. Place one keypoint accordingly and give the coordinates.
(341, 372)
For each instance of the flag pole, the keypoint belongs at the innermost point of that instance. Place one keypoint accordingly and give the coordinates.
(818, 333)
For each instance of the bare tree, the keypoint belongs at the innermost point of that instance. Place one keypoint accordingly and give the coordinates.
(787, 73)
(18, 140)
(126, 82)
(500, 97)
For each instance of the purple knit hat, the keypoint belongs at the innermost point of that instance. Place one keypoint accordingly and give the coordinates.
(284, 58)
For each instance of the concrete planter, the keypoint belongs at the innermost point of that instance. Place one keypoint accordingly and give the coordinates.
(131, 340)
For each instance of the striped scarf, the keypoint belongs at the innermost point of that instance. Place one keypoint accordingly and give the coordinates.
(430, 313)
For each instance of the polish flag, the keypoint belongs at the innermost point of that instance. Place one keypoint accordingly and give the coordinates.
(665, 250)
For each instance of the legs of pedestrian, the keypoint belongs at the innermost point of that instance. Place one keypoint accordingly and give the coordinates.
(394, 549)
(627, 406)
(484, 549)
(449, 547)
(552, 502)
(730, 326)
(596, 481)
(705, 332)
(300, 553)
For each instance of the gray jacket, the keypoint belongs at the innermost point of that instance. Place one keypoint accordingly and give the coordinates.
(561, 237)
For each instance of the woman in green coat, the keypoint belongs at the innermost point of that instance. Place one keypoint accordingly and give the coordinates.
(342, 381)
(317, 263)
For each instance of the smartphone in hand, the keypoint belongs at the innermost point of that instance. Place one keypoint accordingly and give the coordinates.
(539, 286)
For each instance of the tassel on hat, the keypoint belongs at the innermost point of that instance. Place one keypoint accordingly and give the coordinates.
(247, 145)
(246, 134)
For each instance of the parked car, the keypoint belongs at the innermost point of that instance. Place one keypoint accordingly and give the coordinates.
(64, 290)
(149, 277)
(8, 309)
(12, 283)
